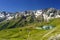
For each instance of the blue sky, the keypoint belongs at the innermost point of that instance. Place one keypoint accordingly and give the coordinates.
(22, 5)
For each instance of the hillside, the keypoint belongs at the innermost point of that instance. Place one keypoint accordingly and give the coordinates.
(11, 31)
(31, 25)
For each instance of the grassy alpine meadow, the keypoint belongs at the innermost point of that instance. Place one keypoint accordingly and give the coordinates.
(29, 19)
(29, 31)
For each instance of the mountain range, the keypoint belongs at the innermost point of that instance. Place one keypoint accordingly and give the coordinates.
(45, 14)
(41, 24)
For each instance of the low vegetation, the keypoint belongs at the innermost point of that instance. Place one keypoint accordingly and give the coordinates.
(25, 29)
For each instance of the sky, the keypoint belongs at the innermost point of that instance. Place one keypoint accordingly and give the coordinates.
(22, 5)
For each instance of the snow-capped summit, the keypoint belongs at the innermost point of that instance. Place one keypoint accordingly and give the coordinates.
(45, 14)
(38, 12)
(2, 15)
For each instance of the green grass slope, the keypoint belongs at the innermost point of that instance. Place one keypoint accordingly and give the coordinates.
(22, 29)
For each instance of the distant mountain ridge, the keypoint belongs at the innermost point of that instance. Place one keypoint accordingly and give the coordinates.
(30, 25)
(45, 14)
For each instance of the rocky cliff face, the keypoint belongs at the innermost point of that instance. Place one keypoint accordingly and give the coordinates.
(49, 13)
(45, 14)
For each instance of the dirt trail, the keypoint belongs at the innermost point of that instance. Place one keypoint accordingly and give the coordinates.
(49, 33)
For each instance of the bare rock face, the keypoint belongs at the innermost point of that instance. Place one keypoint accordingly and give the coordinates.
(57, 37)
(43, 14)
